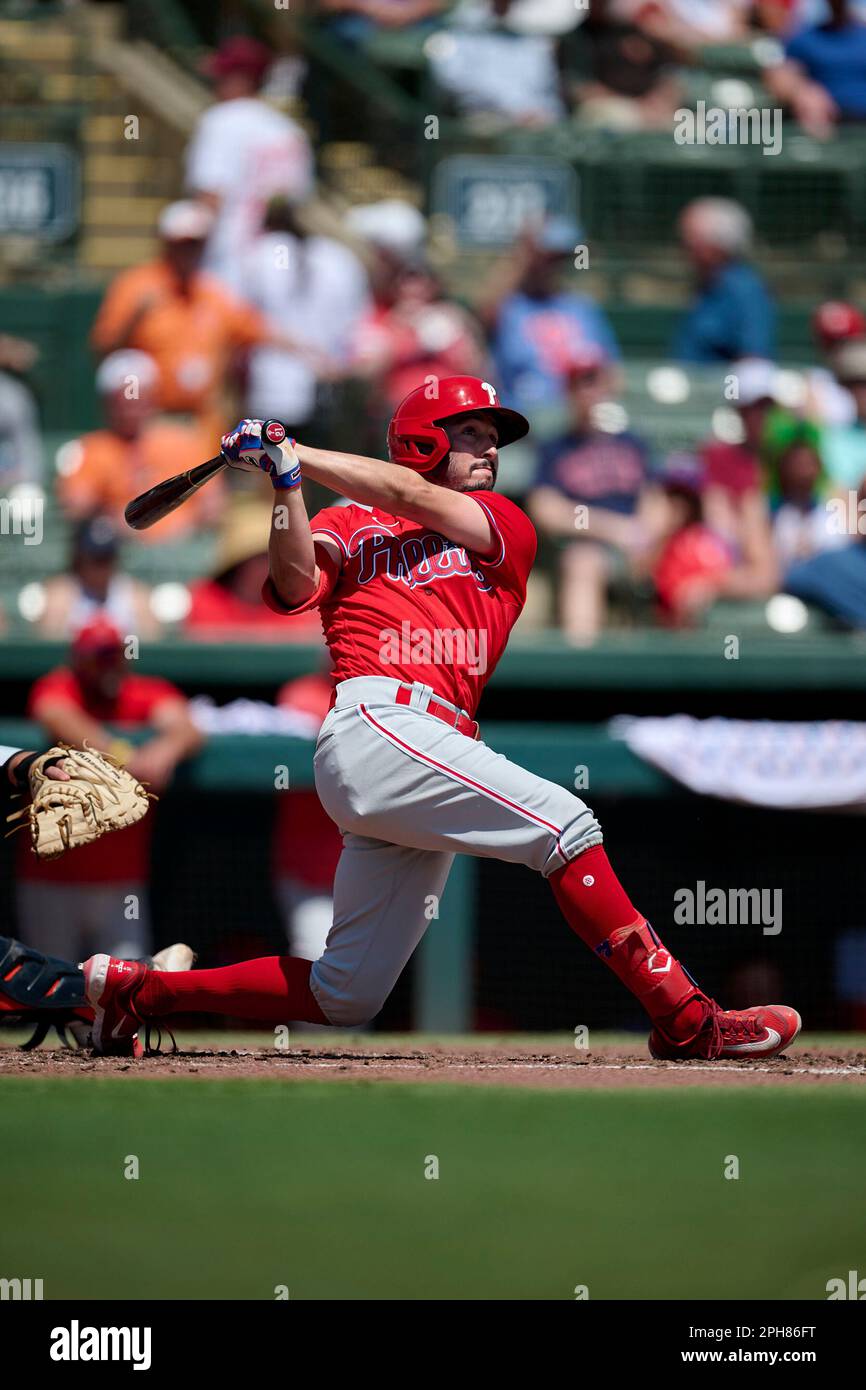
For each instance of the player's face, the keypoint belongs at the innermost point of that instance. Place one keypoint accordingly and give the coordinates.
(473, 461)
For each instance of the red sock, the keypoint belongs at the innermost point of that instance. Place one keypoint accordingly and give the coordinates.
(598, 909)
(274, 989)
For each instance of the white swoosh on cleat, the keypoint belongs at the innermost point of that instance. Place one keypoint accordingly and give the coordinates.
(773, 1039)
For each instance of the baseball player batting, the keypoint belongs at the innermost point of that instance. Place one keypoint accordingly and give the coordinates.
(427, 549)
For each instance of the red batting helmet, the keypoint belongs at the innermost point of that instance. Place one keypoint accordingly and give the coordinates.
(416, 438)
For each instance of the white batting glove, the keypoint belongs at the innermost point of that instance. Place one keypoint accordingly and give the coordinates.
(262, 445)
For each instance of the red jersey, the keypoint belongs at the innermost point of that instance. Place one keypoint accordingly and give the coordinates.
(411, 604)
(123, 856)
(215, 613)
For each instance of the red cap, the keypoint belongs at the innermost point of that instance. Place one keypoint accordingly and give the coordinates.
(836, 322)
(97, 635)
(239, 54)
(584, 360)
(416, 438)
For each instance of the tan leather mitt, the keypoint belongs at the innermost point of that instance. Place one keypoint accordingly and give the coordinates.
(99, 796)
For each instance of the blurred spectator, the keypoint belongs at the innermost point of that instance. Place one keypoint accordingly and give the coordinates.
(590, 498)
(617, 75)
(835, 580)
(94, 586)
(732, 314)
(415, 332)
(539, 326)
(306, 843)
(243, 153)
(776, 16)
(183, 318)
(95, 898)
(356, 20)
(692, 23)
(822, 80)
(102, 471)
(692, 561)
(20, 438)
(319, 287)
(492, 71)
(827, 401)
(802, 523)
(732, 488)
(694, 564)
(229, 604)
(844, 446)
(393, 232)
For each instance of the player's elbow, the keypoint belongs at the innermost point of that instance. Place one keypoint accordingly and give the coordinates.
(292, 592)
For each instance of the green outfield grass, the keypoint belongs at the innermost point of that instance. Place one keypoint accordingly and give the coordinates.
(321, 1187)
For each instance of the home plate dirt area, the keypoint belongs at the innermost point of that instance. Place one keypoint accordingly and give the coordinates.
(540, 1063)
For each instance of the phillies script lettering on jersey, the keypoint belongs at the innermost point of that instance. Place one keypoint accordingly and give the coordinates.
(411, 604)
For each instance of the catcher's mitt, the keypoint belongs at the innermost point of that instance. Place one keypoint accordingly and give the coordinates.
(99, 796)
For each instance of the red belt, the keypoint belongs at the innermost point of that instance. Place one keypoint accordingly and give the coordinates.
(455, 717)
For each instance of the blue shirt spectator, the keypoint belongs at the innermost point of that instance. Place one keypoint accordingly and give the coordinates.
(834, 581)
(593, 467)
(587, 500)
(538, 329)
(834, 55)
(732, 315)
(537, 338)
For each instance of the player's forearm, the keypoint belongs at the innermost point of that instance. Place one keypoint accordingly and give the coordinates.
(371, 482)
(553, 513)
(291, 555)
(66, 724)
(178, 741)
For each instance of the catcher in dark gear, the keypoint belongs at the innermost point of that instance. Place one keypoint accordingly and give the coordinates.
(46, 992)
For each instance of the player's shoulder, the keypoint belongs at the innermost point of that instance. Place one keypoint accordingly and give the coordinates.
(502, 507)
(150, 690)
(59, 681)
(511, 523)
(344, 518)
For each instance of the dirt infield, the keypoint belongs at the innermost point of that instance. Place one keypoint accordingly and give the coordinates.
(517, 1064)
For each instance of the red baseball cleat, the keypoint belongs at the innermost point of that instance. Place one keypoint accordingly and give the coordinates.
(764, 1031)
(111, 985)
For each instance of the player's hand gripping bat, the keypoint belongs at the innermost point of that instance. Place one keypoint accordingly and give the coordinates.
(165, 497)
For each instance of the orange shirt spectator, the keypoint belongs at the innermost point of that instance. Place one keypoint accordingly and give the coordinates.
(182, 317)
(103, 470)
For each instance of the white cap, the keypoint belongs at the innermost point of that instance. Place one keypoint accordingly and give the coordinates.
(119, 368)
(185, 221)
(756, 381)
(392, 224)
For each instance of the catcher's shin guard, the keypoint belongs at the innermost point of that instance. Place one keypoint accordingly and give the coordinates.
(44, 991)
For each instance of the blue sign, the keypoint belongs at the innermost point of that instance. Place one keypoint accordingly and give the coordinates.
(491, 198)
(38, 191)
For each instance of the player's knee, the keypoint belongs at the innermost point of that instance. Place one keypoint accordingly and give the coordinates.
(358, 1013)
(351, 1013)
(580, 832)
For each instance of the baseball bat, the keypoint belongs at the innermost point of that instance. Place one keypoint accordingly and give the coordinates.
(165, 497)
